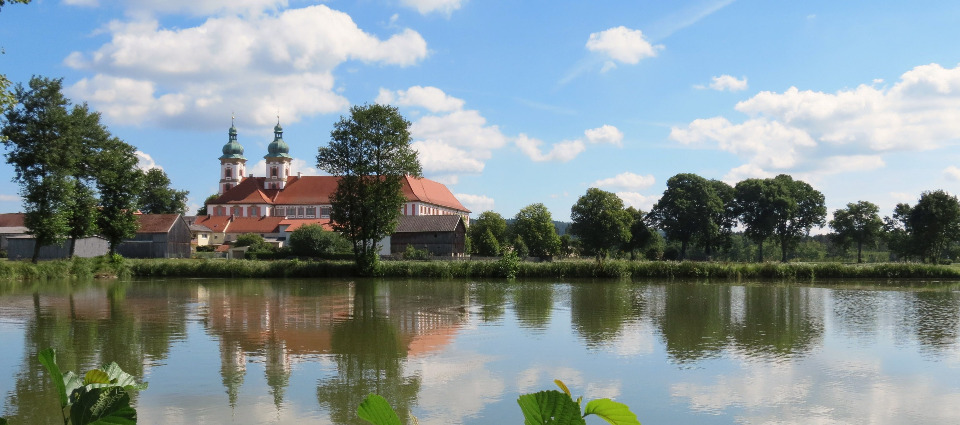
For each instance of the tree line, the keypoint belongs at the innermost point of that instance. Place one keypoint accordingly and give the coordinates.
(720, 221)
(76, 179)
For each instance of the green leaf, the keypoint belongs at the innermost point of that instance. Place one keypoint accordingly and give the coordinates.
(376, 410)
(3, 421)
(96, 376)
(48, 358)
(549, 408)
(103, 406)
(563, 387)
(123, 379)
(611, 411)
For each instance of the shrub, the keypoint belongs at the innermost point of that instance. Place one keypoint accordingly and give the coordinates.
(312, 241)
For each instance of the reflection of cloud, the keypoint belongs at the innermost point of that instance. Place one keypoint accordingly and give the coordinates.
(540, 378)
(832, 391)
(456, 387)
(634, 339)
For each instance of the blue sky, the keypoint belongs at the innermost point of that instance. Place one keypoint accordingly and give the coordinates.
(517, 102)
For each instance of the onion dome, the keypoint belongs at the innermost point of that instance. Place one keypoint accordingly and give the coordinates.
(278, 148)
(233, 149)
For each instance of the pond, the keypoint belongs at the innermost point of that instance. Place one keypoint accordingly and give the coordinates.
(307, 352)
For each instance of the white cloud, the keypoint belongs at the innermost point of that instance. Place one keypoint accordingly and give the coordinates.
(621, 44)
(9, 198)
(746, 171)
(147, 8)
(431, 98)
(145, 161)
(637, 200)
(791, 131)
(727, 82)
(626, 181)
(297, 165)
(445, 7)
(475, 203)
(439, 157)
(952, 173)
(605, 134)
(848, 163)
(560, 152)
(257, 64)
(82, 3)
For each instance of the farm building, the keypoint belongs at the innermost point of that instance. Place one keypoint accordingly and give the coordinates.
(159, 236)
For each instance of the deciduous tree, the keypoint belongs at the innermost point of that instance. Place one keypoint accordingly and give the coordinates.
(533, 225)
(797, 208)
(488, 222)
(601, 222)
(858, 223)
(934, 223)
(158, 197)
(688, 210)
(313, 241)
(370, 152)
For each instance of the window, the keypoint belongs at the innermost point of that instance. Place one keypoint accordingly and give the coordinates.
(254, 212)
(237, 211)
(325, 212)
(228, 173)
(279, 212)
(273, 171)
(311, 212)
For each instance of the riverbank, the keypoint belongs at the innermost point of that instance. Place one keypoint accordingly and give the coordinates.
(615, 269)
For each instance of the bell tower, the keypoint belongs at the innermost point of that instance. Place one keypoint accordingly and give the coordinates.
(278, 160)
(232, 163)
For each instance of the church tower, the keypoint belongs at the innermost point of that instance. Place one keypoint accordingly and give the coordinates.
(232, 162)
(278, 160)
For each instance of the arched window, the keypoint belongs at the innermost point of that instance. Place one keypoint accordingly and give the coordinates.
(228, 173)
(273, 172)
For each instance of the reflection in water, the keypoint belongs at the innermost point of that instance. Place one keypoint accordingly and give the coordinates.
(451, 352)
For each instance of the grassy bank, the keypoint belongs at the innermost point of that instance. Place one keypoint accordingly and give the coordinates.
(105, 267)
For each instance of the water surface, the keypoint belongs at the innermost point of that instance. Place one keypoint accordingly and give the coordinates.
(298, 351)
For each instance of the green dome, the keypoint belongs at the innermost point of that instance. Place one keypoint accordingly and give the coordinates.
(278, 148)
(232, 149)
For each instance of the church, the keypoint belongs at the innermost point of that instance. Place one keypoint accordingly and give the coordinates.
(278, 203)
(280, 194)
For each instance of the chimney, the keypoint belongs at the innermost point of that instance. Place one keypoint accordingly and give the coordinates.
(298, 174)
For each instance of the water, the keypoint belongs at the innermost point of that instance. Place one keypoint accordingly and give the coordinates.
(258, 351)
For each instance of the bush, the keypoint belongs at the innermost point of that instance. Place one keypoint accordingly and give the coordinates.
(412, 253)
(312, 241)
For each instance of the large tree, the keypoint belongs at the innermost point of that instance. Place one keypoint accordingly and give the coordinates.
(488, 233)
(797, 208)
(534, 227)
(934, 223)
(370, 152)
(688, 211)
(601, 222)
(158, 197)
(119, 183)
(755, 210)
(642, 236)
(857, 223)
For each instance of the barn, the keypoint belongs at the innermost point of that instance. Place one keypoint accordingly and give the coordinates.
(159, 236)
(441, 235)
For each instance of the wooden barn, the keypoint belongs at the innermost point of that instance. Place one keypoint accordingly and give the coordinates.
(441, 235)
(159, 236)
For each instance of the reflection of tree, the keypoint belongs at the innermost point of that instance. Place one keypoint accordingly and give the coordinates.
(857, 312)
(777, 320)
(694, 320)
(233, 368)
(533, 303)
(598, 310)
(369, 354)
(935, 318)
(490, 297)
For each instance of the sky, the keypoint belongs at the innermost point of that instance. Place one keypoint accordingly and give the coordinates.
(519, 102)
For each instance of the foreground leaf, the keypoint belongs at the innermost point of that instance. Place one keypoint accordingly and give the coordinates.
(611, 411)
(563, 387)
(123, 379)
(103, 406)
(549, 408)
(376, 410)
(96, 376)
(48, 358)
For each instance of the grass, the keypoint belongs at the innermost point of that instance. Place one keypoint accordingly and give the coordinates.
(613, 269)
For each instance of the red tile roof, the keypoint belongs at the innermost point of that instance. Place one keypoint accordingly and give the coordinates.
(296, 223)
(254, 225)
(216, 223)
(11, 220)
(156, 223)
(316, 190)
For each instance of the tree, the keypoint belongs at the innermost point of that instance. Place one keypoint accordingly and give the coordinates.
(896, 231)
(203, 209)
(312, 241)
(934, 223)
(858, 223)
(723, 220)
(534, 226)
(601, 222)
(370, 153)
(119, 182)
(797, 208)
(488, 221)
(688, 210)
(641, 236)
(158, 197)
(82, 215)
(753, 207)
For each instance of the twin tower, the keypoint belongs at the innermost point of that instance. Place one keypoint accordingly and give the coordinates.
(233, 166)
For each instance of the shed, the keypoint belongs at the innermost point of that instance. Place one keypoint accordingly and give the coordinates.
(21, 248)
(159, 236)
(441, 235)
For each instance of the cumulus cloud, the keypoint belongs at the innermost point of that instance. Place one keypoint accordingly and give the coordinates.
(475, 203)
(623, 45)
(637, 200)
(297, 166)
(952, 173)
(445, 7)
(431, 98)
(605, 134)
(560, 152)
(145, 161)
(793, 130)
(626, 181)
(257, 64)
(729, 83)
(9, 198)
